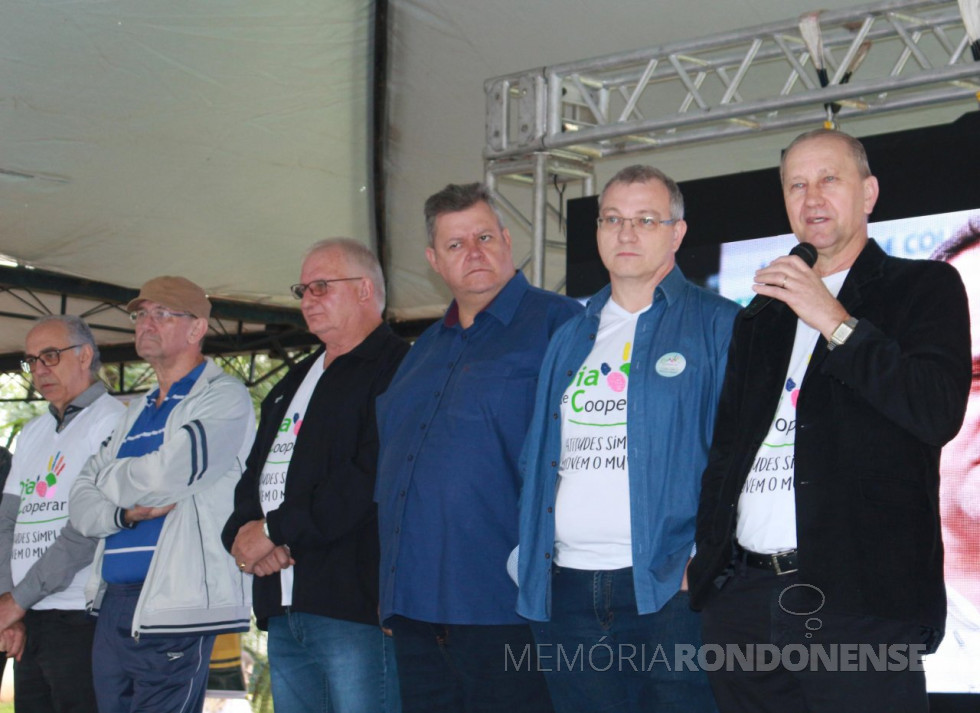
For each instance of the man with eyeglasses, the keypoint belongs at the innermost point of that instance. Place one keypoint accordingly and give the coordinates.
(305, 523)
(451, 429)
(157, 495)
(612, 465)
(44, 561)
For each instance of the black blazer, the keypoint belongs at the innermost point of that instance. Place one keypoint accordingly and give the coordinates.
(328, 516)
(872, 417)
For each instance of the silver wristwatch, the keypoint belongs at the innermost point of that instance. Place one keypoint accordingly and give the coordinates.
(842, 333)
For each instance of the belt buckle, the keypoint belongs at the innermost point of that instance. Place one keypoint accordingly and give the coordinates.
(779, 570)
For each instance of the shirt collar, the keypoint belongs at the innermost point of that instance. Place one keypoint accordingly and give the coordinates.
(86, 398)
(671, 287)
(181, 388)
(503, 307)
(373, 345)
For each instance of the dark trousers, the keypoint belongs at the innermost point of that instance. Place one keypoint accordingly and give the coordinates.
(602, 655)
(156, 674)
(456, 668)
(804, 658)
(55, 673)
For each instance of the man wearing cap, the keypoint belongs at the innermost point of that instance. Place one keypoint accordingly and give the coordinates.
(157, 494)
(44, 561)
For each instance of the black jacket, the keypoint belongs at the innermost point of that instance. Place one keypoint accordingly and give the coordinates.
(872, 417)
(328, 517)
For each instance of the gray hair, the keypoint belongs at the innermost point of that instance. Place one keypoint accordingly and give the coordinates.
(79, 334)
(454, 198)
(855, 147)
(359, 256)
(638, 173)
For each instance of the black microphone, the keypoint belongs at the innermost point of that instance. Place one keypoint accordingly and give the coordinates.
(807, 253)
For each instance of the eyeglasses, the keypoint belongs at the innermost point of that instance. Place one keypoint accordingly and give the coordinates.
(158, 314)
(641, 223)
(317, 288)
(49, 357)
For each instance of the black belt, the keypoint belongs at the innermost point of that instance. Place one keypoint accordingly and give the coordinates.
(780, 563)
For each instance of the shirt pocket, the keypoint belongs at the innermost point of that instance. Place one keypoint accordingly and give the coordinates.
(484, 390)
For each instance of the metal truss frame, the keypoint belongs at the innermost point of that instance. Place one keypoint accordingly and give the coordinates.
(552, 123)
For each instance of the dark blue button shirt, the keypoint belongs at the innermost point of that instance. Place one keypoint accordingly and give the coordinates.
(451, 426)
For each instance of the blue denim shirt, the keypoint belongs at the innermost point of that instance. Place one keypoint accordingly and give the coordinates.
(451, 427)
(669, 422)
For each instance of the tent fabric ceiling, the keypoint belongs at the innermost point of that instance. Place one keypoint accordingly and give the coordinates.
(218, 140)
(215, 140)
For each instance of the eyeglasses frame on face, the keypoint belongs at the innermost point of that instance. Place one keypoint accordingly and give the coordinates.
(156, 315)
(300, 288)
(603, 222)
(30, 360)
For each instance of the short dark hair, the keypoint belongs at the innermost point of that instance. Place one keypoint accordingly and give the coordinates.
(638, 173)
(454, 198)
(78, 333)
(966, 237)
(856, 148)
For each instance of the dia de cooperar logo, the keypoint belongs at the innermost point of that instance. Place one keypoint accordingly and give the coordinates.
(46, 485)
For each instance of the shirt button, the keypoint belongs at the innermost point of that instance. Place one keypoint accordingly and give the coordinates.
(592, 337)
(569, 372)
(397, 530)
(392, 569)
(554, 415)
(550, 510)
(547, 555)
(422, 426)
(554, 463)
(401, 494)
(410, 457)
(437, 394)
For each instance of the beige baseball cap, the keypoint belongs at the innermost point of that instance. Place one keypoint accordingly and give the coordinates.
(176, 293)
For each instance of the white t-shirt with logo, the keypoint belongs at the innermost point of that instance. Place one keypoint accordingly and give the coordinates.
(767, 505)
(272, 483)
(592, 509)
(45, 465)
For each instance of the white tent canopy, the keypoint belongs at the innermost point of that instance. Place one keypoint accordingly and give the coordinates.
(218, 140)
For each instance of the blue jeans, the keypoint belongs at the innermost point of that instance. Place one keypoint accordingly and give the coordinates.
(598, 654)
(324, 665)
(467, 668)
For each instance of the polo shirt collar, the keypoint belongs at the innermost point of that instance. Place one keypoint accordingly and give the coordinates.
(181, 388)
(84, 399)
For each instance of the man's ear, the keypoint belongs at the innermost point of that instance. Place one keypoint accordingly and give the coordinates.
(198, 330)
(365, 291)
(85, 356)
